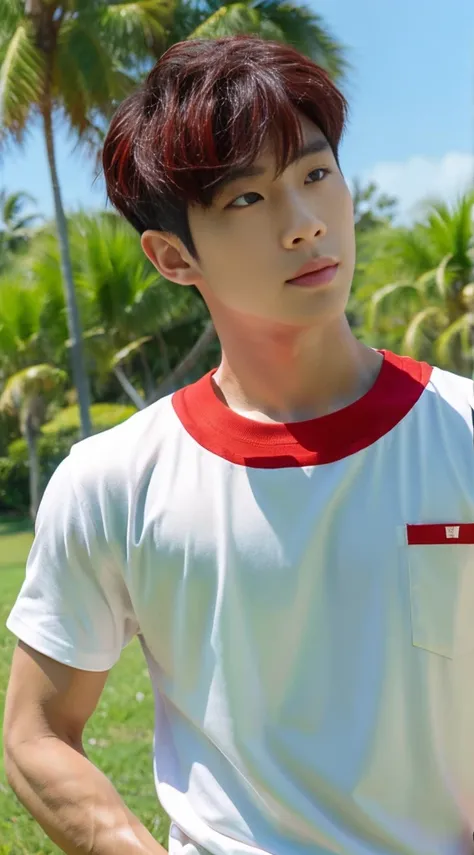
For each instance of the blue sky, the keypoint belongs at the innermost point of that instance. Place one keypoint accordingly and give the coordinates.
(411, 94)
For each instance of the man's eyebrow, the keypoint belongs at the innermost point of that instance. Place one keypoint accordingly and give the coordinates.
(313, 147)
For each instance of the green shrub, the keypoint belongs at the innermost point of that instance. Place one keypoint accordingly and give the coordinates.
(103, 417)
(58, 435)
(8, 430)
(14, 486)
(54, 445)
(18, 451)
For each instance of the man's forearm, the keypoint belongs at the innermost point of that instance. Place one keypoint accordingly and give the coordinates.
(74, 802)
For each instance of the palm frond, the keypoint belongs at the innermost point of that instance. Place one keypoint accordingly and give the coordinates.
(86, 78)
(132, 30)
(34, 380)
(464, 234)
(126, 293)
(123, 354)
(21, 82)
(437, 255)
(416, 331)
(187, 16)
(292, 23)
(442, 277)
(425, 281)
(11, 13)
(12, 205)
(305, 30)
(467, 296)
(19, 308)
(25, 225)
(229, 20)
(450, 230)
(160, 305)
(387, 295)
(68, 85)
(445, 341)
(416, 250)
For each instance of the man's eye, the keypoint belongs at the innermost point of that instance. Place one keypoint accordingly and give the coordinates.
(318, 175)
(248, 199)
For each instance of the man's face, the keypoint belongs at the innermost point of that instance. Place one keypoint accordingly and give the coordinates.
(260, 230)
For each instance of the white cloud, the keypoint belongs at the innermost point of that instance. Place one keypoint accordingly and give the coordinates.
(420, 178)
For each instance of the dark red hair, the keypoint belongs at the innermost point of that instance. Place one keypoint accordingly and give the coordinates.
(208, 106)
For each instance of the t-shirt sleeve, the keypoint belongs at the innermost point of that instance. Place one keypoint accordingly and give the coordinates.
(73, 606)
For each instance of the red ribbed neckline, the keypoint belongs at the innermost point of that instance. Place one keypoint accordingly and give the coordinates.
(220, 430)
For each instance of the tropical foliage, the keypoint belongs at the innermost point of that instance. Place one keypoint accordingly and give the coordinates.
(72, 60)
(26, 395)
(291, 22)
(137, 325)
(17, 226)
(423, 304)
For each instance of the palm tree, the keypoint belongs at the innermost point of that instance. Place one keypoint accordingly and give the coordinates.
(137, 323)
(27, 395)
(71, 60)
(428, 309)
(20, 320)
(16, 227)
(372, 208)
(279, 20)
(33, 326)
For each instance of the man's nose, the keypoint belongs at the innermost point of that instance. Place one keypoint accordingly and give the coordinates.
(305, 227)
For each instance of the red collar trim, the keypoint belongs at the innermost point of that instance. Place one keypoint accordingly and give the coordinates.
(400, 383)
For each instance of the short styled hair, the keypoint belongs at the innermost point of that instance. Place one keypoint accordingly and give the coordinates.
(206, 108)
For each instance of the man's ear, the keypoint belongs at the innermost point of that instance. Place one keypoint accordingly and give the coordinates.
(167, 253)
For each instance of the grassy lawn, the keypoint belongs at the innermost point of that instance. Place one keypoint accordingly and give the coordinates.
(118, 738)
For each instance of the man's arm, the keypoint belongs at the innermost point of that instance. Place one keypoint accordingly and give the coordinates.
(47, 707)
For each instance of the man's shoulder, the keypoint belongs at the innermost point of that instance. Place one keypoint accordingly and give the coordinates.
(456, 389)
(114, 458)
(447, 413)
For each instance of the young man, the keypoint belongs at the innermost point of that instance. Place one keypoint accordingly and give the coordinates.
(291, 537)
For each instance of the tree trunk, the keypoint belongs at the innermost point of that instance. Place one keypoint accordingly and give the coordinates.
(174, 378)
(187, 364)
(128, 388)
(34, 467)
(147, 375)
(79, 374)
(164, 351)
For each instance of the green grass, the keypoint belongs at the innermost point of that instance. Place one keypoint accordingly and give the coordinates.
(118, 738)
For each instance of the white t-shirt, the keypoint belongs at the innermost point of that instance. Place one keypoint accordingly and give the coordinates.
(304, 596)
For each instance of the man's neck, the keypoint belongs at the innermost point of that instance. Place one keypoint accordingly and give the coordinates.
(287, 374)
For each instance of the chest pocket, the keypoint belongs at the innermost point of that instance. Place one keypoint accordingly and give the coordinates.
(441, 568)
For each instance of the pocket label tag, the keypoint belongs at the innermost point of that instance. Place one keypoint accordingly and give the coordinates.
(452, 532)
(436, 534)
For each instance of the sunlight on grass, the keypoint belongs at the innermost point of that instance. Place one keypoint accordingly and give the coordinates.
(15, 543)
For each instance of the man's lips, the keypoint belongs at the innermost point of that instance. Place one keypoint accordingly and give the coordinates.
(316, 271)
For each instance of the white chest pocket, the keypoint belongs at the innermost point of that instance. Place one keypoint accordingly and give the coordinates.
(441, 568)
